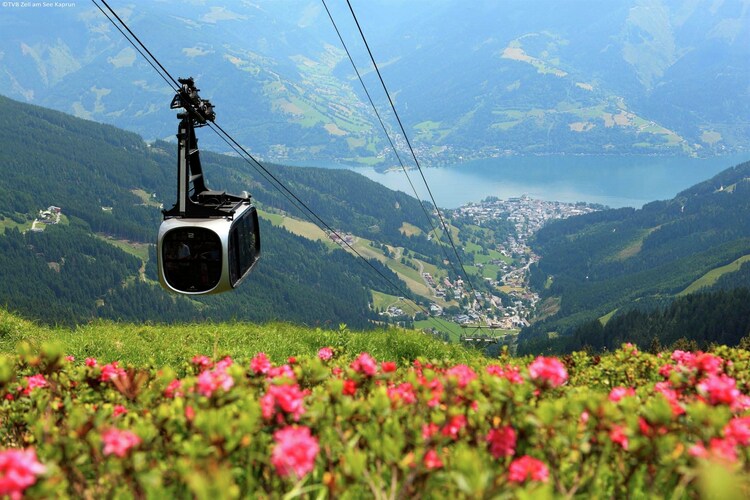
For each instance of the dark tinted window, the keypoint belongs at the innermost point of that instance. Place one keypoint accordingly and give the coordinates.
(192, 259)
(243, 245)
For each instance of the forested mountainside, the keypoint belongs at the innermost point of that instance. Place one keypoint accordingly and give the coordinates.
(48, 156)
(611, 262)
(110, 183)
(691, 322)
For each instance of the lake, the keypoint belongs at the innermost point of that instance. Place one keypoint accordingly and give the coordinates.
(609, 180)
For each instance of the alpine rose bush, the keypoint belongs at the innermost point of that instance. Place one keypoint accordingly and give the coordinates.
(527, 468)
(355, 426)
(295, 451)
(549, 371)
(119, 443)
(18, 470)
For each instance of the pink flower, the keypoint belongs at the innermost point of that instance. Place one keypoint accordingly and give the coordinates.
(70, 359)
(683, 357)
(91, 362)
(720, 389)
(267, 406)
(633, 349)
(18, 470)
(618, 436)
(291, 360)
(708, 363)
(527, 468)
(616, 394)
(119, 410)
(462, 373)
(111, 371)
(211, 380)
(117, 442)
(724, 450)
(429, 430)
(436, 389)
(666, 370)
(202, 361)
(454, 426)
(260, 363)
(511, 373)
(502, 441)
(365, 365)
(403, 392)
(325, 353)
(549, 371)
(295, 451)
(432, 460)
(698, 450)
(189, 413)
(738, 430)
(287, 398)
(283, 371)
(224, 364)
(741, 404)
(388, 366)
(34, 382)
(173, 389)
(671, 396)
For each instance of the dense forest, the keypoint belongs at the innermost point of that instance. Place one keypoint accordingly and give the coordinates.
(711, 317)
(64, 275)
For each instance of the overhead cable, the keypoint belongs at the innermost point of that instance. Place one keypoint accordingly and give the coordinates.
(408, 142)
(244, 154)
(390, 141)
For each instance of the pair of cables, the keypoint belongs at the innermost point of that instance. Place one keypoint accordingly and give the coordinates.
(444, 225)
(273, 180)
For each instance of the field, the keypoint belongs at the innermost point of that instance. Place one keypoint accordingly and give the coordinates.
(713, 275)
(140, 250)
(278, 411)
(454, 331)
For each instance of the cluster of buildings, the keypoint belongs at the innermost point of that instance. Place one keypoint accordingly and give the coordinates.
(341, 238)
(49, 216)
(527, 216)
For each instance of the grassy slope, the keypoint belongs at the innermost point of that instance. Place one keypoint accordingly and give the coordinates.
(174, 345)
(411, 277)
(711, 277)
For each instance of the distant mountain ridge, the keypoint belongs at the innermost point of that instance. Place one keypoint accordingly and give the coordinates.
(614, 261)
(469, 79)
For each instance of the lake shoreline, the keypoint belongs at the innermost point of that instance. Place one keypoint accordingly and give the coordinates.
(610, 180)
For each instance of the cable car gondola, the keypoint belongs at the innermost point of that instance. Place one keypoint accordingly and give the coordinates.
(210, 240)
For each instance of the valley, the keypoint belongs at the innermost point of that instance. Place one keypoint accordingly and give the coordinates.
(493, 238)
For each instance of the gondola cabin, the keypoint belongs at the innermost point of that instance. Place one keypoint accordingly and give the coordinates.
(210, 240)
(201, 256)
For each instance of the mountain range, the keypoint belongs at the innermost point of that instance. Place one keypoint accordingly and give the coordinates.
(469, 80)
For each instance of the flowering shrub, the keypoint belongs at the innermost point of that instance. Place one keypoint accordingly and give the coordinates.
(348, 424)
(18, 471)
